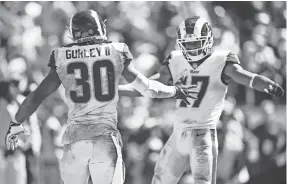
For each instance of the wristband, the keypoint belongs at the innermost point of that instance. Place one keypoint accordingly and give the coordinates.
(251, 81)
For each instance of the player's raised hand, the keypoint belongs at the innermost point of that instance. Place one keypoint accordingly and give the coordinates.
(12, 135)
(275, 90)
(183, 92)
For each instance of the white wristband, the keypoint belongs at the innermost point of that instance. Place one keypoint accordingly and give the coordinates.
(251, 80)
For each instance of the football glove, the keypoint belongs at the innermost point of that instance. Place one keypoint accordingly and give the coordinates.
(12, 135)
(183, 92)
(275, 90)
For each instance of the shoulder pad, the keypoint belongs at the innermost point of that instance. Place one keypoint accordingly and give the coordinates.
(124, 50)
(232, 58)
(119, 46)
(221, 52)
(171, 55)
(175, 53)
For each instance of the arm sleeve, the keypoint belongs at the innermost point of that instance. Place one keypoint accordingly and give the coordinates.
(52, 61)
(166, 63)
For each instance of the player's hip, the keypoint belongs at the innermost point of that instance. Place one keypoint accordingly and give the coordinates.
(188, 123)
(93, 117)
(186, 141)
(86, 148)
(195, 133)
(75, 132)
(197, 119)
(98, 158)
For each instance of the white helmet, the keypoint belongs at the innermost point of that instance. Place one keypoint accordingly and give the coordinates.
(195, 38)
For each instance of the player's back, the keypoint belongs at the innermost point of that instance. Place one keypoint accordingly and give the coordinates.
(206, 110)
(90, 75)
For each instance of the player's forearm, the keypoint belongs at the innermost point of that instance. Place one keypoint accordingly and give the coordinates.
(127, 90)
(151, 88)
(249, 79)
(27, 108)
(163, 91)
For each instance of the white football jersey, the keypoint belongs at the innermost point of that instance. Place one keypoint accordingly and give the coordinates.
(90, 75)
(206, 110)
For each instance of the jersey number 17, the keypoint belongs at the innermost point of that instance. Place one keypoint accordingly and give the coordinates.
(194, 81)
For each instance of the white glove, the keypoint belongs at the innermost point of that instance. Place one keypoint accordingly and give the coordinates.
(12, 134)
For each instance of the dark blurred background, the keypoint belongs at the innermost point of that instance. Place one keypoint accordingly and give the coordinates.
(251, 131)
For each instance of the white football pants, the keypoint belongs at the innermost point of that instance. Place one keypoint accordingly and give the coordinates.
(194, 147)
(100, 159)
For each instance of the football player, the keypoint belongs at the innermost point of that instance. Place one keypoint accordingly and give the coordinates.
(194, 139)
(90, 70)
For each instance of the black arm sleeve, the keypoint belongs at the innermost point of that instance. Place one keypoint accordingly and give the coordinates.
(231, 59)
(127, 55)
(166, 63)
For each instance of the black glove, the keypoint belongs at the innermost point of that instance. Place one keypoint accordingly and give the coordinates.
(275, 90)
(183, 92)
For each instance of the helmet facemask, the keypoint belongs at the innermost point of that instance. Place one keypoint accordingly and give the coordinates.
(195, 49)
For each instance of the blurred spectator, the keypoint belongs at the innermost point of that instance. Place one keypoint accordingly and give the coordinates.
(231, 159)
(13, 163)
(29, 31)
(266, 157)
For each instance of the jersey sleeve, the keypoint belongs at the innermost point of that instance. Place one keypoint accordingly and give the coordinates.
(52, 61)
(124, 51)
(232, 59)
(126, 55)
(167, 59)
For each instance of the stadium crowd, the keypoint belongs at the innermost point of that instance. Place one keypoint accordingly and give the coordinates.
(252, 129)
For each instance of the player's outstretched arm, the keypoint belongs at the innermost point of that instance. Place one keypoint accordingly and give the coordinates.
(29, 106)
(163, 77)
(255, 81)
(155, 89)
(49, 85)
(128, 90)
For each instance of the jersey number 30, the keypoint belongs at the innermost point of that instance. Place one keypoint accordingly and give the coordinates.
(103, 81)
(202, 91)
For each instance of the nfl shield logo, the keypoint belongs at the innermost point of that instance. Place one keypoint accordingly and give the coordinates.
(194, 65)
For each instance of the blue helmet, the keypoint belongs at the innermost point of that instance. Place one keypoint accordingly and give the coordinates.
(86, 26)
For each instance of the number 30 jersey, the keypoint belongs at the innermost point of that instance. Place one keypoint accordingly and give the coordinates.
(90, 75)
(205, 111)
